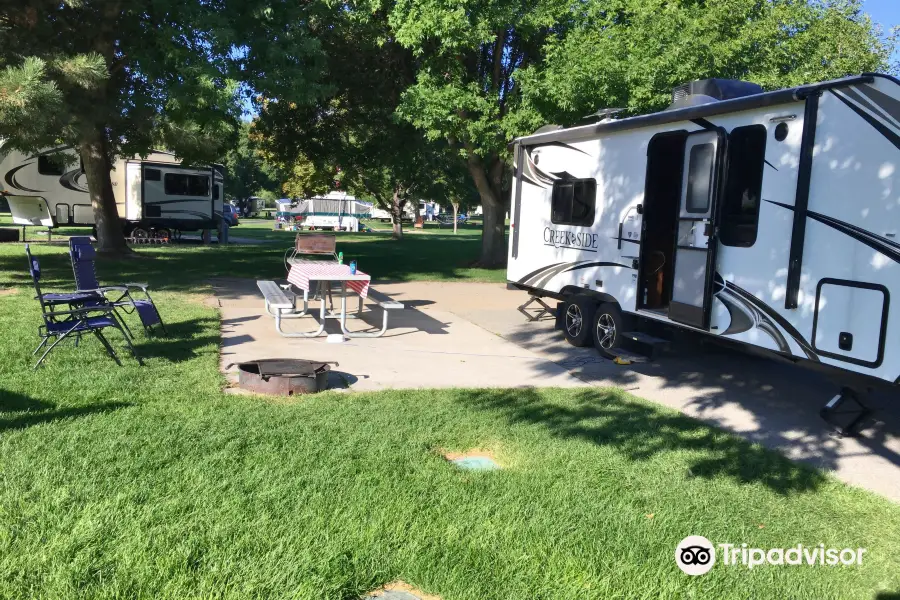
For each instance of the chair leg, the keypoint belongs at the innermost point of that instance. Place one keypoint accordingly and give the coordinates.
(158, 316)
(42, 344)
(161, 324)
(133, 351)
(51, 347)
(121, 321)
(109, 349)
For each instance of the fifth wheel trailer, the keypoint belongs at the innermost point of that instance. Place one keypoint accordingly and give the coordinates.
(769, 219)
(153, 194)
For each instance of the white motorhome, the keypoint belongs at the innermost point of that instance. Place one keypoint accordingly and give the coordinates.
(768, 219)
(155, 194)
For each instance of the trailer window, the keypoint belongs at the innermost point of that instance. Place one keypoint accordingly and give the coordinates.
(743, 188)
(700, 171)
(179, 184)
(51, 165)
(152, 174)
(215, 192)
(573, 201)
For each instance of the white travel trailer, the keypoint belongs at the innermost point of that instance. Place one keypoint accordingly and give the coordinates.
(768, 219)
(154, 195)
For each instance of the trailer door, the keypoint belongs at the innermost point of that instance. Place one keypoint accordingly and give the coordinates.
(695, 245)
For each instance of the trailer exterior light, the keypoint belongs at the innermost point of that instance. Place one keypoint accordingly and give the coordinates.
(782, 118)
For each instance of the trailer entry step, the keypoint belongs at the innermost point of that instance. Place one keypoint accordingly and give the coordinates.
(644, 343)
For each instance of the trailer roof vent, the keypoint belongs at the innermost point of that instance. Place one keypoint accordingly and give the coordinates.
(704, 91)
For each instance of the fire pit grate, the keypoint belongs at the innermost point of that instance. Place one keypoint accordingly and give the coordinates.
(283, 376)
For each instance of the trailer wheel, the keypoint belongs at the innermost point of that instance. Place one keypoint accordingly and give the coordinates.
(578, 314)
(608, 327)
(139, 233)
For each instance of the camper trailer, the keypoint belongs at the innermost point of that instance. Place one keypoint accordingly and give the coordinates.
(334, 211)
(154, 195)
(770, 219)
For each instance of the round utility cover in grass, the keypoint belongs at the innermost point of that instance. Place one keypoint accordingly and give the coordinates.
(475, 463)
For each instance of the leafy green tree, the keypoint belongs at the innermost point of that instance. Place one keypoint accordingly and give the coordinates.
(352, 137)
(248, 171)
(497, 69)
(122, 77)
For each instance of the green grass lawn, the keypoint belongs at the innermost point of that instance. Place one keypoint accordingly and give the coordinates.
(130, 482)
(438, 255)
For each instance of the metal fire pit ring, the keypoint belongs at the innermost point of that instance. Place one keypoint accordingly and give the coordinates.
(283, 376)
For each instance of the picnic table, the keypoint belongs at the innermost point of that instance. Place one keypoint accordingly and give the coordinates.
(302, 274)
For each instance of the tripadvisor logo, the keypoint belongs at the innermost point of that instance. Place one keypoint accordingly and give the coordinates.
(696, 555)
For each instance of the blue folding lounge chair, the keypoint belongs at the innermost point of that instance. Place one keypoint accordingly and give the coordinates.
(72, 314)
(122, 296)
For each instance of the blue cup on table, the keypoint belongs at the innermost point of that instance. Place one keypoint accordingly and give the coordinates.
(353, 267)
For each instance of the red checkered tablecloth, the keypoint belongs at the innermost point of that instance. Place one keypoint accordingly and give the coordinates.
(301, 274)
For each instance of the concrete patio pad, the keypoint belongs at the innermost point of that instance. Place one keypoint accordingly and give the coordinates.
(422, 349)
(470, 334)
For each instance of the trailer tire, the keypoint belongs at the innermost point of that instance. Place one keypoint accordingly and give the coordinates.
(578, 314)
(139, 233)
(607, 327)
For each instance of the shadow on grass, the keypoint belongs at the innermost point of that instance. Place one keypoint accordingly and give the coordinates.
(186, 268)
(25, 412)
(641, 432)
(181, 344)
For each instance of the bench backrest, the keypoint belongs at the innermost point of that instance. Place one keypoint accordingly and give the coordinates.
(315, 243)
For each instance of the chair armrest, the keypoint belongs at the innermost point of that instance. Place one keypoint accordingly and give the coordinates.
(80, 311)
(111, 288)
(142, 286)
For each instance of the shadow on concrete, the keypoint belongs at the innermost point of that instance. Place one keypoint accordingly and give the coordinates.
(341, 380)
(19, 412)
(780, 401)
(641, 432)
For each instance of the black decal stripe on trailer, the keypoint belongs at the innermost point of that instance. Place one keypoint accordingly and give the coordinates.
(861, 99)
(801, 200)
(590, 264)
(887, 104)
(767, 311)
(538, 272)
(741, 315)
(545, 277)
(566, 146)
(740, 321)
(11, 180)
(771, 165)
(878, 125)
(745, 316)
(69, 181)
(885, 246)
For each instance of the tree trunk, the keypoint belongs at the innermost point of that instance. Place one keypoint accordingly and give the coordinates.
(455, 212)
(110, 238)
(397, 215)
(493, 233)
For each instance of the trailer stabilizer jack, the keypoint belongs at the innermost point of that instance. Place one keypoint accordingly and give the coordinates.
(846, 419)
